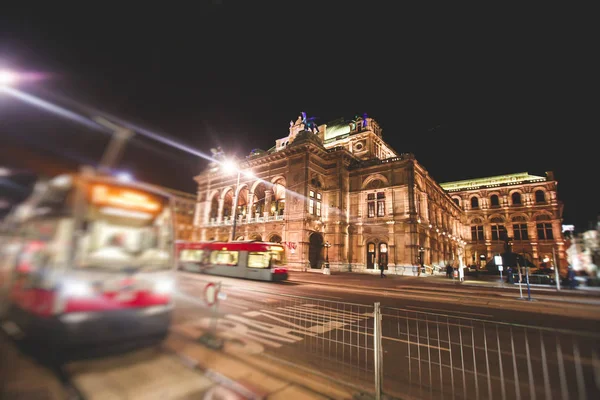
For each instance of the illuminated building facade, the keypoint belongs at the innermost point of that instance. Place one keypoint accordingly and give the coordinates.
(520, 207)
(338, 192)
(185, 204)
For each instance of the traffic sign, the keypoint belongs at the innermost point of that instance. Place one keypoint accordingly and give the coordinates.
(211, 294)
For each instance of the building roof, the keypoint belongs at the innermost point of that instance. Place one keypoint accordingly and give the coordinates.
(338, 127)
(493, 181)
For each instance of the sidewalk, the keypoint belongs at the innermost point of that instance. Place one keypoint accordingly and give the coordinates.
(398, 283)
(180, 369)
(22, 378)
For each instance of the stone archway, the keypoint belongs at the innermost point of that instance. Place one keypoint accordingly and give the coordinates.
(255, 236)
(315, 250)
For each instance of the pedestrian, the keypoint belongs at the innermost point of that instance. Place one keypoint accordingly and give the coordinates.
(449, 271)
(382, 266)
(461, 273)
(509, 275)
(571, 278)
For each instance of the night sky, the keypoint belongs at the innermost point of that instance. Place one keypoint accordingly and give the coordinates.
(502, 95)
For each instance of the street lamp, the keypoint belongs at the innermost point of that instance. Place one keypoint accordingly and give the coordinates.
(7, 78)
(327, 245)
(231, 166)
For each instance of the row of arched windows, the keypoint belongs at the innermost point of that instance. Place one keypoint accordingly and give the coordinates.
(516, 199)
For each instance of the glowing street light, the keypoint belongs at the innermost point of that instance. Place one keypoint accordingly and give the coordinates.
(8, 78)
(124, 177)
(231, 166)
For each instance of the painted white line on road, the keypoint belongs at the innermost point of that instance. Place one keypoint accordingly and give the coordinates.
(283, 294)
(235, 305)
(449, 311)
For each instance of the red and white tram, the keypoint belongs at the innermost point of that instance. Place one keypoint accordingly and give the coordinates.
(90, 259)
(262, 261)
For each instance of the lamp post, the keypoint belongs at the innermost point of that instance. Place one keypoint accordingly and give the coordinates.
(235, 201)
(232, 166)
(7, 78)
(327, 245)
(326, 270)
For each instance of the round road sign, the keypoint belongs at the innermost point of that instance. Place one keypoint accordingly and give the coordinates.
(210, 294)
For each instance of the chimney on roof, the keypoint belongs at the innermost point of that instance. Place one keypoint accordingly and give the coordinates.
(550, 175)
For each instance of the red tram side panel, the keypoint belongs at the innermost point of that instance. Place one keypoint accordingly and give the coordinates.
(262, 261)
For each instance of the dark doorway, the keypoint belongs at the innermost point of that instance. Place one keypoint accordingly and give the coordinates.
(315, 250)
(370, 255)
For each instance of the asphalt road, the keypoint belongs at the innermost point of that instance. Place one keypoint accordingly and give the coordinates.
(438, 340)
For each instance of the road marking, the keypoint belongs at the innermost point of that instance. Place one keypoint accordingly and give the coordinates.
(449, 311)
(235, 305)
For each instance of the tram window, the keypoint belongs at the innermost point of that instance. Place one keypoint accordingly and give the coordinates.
(258, 260)
(191, 255)
(224, 258)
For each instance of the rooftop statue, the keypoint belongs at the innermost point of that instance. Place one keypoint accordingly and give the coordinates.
(309, 123)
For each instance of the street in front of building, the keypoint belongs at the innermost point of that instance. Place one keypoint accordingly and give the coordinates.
(436, 337)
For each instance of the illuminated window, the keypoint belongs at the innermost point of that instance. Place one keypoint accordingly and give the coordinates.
(224, 257)
(371, 205)
(376, 203)
(380, 204)
(314, 203)
(258, 260)
(190, 255)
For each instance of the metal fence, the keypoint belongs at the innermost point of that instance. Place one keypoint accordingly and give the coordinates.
(446, 356)
(401, 353)
(332, 338)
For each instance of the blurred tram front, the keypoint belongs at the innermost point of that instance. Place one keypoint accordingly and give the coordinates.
(91, 260)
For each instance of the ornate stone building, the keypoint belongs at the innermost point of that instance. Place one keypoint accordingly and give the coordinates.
(185, 205)
(520, 207)
(339, 192)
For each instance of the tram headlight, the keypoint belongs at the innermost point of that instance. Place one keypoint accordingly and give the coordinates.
(164, 287)
(73, 288)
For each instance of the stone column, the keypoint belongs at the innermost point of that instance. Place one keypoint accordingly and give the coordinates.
(268, 201)
(220, 212)
(249, 206)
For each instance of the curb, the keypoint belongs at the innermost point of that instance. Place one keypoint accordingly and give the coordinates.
(494, 291)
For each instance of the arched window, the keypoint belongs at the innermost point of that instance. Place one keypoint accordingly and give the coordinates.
(456, 201)
(474, 202)
(495, 200)
(540, 196)
(516, 198)
(375, 184)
